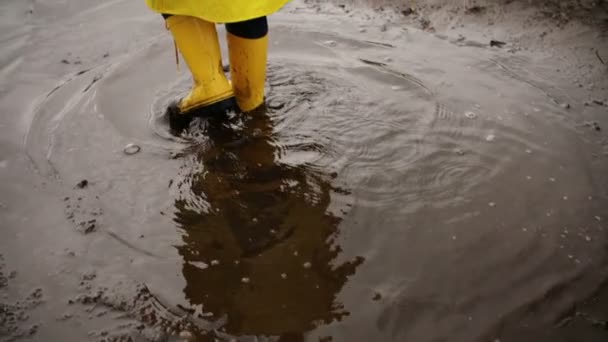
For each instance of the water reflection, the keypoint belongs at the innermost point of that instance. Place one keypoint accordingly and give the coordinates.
(259, 242)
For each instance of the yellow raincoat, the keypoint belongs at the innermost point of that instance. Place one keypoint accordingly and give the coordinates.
(218, 11)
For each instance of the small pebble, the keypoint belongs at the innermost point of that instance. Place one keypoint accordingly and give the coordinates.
(490, 137)
(528, 151)
(284, 275)
(597, 218)
(295, 253)
(492, 204)
(131, 149)
(587, 238)
(528, 177)
(307, 265)
(552, 179)
(330, 43)
(565, 198)
(470, 115)
(245, 280)
(214, 262)
(524, 229)
(565, 105)
(396, 88)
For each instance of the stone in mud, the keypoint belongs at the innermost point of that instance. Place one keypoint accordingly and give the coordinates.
(88, 227)
(276, 105)
(408, 11)
(131, 149)
(82, 184)
(497, 43)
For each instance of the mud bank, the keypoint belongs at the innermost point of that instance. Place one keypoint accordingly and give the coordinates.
(407, 180)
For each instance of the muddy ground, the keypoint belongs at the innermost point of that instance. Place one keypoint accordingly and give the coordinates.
(423, 171)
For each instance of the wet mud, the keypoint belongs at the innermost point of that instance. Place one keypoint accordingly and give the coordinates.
(399, 185)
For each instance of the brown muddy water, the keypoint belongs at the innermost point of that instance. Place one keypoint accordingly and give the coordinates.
(396, 188)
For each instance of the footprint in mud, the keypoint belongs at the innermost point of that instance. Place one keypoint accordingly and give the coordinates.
(14, 318)
(144, 316)
(82, 210)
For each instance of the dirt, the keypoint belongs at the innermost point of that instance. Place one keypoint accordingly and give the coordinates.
(423, 171)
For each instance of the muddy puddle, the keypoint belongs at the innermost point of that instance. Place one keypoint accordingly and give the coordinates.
(391, 190)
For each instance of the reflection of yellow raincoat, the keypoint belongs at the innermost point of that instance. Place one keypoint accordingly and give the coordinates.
(218, 11)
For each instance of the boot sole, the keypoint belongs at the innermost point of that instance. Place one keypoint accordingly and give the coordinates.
(178, 121)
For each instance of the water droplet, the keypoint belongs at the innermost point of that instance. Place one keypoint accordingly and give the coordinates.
(307, 265)
(470, 115)
(131, 149)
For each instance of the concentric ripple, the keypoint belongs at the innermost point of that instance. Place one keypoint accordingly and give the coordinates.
(345, 202)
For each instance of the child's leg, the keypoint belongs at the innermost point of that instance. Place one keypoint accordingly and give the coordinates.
(248, 47)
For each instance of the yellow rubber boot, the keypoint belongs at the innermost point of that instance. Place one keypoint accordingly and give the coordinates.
(248, 70)
(198, 43)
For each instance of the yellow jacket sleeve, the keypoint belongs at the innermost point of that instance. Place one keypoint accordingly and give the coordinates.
(218, 11)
